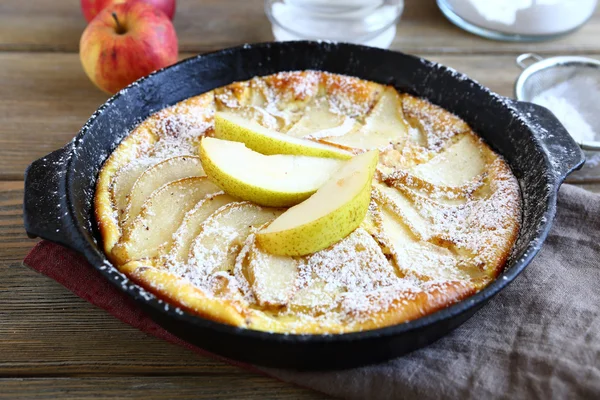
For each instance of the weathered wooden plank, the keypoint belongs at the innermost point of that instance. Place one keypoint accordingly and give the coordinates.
(243, 386)
(56, 25)
(48, 331)
(46, 98)
(14, 243)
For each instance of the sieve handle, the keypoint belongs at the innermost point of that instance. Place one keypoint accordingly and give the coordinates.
(563, 153)
(523, 58)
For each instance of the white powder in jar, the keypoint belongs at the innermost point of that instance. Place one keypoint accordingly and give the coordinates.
(524, 17)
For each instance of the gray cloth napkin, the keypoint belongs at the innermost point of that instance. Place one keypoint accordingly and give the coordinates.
(539, 338)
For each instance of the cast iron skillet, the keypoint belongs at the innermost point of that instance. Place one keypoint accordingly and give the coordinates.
(59, 187)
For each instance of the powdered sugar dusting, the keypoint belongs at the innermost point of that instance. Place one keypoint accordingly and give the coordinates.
(179, 134)
(462, 238)
(357, 272)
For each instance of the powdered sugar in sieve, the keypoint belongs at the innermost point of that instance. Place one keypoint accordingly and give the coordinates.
(570, 88)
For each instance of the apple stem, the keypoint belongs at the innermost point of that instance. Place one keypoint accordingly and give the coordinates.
(120, 29)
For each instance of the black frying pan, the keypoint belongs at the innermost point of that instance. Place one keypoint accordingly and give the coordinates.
(59, 188)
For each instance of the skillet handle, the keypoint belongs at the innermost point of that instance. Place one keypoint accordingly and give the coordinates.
(563, 153)
(45, 208)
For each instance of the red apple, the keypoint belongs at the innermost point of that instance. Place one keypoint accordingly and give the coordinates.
(125, 42)
(91, 8)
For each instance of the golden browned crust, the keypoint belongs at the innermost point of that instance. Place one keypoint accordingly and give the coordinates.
(188, 297)
(132, 146)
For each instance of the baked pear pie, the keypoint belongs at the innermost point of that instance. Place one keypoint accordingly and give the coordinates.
(307, 202)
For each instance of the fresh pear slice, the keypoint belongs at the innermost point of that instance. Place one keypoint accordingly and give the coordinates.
(272, 278)
(153, 178)
(160, 217)
(223, 234)
(124, 181)
(328, 216)
(229, 126)
(192, 225)
(385, 124)
(275, 181)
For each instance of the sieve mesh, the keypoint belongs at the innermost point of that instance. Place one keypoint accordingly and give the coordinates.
(551, 76)
(582, 90)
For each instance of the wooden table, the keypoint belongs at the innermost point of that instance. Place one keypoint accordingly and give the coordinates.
(54, 344)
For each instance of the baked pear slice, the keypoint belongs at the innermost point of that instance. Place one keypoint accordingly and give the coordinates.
(274, 181)
(328, 216)
(223, 234)
(229, 126)
(124, 181)
(318, 117)
(192, 225)
(271, 278)
(415, 257)
(360, 267)
(457, 165)
(153, 178)
(403, 206)
(159, 218)
(384, 125)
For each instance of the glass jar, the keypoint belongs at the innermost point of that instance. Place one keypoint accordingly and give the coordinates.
(518, 20)
(367, 22)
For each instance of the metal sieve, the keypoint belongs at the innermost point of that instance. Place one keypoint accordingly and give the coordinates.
(544, 74)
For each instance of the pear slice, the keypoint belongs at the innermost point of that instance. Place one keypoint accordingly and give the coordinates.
(450, 195)
(318, 121)
(124, 181)
(402, 206)
(153, 178)
(385, 124)
(192, 225)
(272, 278)
(275, 181)
(223, 234)
(160, 217)
(314, 297)
(347, 127)
(455, 166)
(372, 221)
(328, 216)
(359, 267)
(416, 257)
(233, 127)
